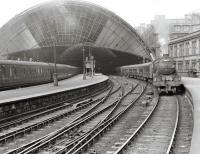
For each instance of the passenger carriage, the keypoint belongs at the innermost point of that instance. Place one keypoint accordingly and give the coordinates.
(23, 73)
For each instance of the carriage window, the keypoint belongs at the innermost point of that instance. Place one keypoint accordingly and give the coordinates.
(24, 72)
(10, 71)
(3, 71)
(0, 72)
(15, 71)
(134, 70)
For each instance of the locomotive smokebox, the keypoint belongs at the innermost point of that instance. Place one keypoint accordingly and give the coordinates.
(166, 66)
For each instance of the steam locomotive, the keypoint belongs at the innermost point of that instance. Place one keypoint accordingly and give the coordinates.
(165, 77)
(15, 74)
(161, 72)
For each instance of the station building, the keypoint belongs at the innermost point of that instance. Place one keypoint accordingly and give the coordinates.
(66, 27)
(186, 51)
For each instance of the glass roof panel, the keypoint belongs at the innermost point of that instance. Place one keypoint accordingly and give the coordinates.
(69, 23)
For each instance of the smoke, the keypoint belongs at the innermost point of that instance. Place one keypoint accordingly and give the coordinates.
(163, 45)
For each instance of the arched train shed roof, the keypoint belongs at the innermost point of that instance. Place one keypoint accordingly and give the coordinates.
(68, 23)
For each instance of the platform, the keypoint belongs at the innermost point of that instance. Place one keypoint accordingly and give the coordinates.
(193, 85)
(44, 89)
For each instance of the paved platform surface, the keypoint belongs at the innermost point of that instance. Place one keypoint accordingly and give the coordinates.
(33, 91)
(193, 85)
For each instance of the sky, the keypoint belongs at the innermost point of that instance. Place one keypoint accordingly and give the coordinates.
(132, 11)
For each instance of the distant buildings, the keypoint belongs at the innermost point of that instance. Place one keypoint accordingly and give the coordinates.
(169, 29)
(181, 39)
(184, 44)
(181, 27)
(186, 51)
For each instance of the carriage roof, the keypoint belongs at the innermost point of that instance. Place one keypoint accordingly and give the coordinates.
(137, 65)
(31, 63)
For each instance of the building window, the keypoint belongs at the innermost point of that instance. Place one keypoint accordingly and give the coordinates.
(178, 28)
(175, 51)
(199, 64)
(180, 65)
(181, 51)
(194, 46)
(171, 51)
(199, 46)
(187, 49)
(186, 28)
(194, 64)
(187, 64)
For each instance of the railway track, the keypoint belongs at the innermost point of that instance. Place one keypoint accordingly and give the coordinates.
(117, 88)
(58, 112)
(17, 133)
(184, 131)
(168, 129)
(42, 127)
(117, 123)
(94, 134)
(77, 123)
(159, 134)
(119, 133)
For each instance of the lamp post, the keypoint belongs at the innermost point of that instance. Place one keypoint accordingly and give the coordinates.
(84, 75)
(55, 77)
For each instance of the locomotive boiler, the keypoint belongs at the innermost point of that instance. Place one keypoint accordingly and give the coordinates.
(165, 77)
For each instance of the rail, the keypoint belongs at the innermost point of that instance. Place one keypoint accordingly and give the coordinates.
(100, 123)
(6, 136)
(123, 147)
(40, 140)
(85, 142)
(170, 147)
(60, 132)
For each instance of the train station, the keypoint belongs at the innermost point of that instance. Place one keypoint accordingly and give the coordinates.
(80, 77)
